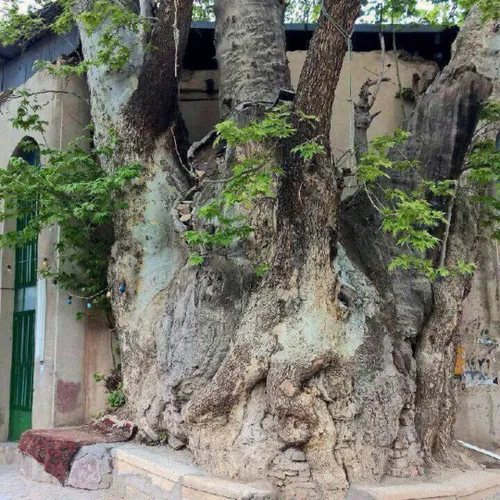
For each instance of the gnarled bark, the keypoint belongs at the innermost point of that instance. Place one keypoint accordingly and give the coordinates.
(311, 376)
(420, 318)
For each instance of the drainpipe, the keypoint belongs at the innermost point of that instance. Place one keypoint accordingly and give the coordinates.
(41, 310)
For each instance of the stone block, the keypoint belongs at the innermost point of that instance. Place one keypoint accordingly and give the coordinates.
(91, 468)
(298, 456)
(163, 465)
(9, 454)
(175, 443)
(399, 463)
(228, 489)
(467, 486)
(276, 473)
(192, 494)
(34, 471)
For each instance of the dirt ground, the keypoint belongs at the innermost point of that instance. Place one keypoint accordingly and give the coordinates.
(13, 486)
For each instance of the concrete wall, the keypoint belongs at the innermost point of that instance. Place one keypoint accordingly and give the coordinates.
(61, 393)
(478, 357)
(100, 357)
(201, 110)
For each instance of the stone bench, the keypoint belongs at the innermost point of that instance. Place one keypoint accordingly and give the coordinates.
(141, 472)
(69, 454)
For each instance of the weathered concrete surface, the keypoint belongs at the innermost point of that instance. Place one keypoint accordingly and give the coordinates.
(13, 486)
(91, 468)
(152, 473)
(34, 471)
(478, 361)
(9, 454)
(201, 110)
(57, 398)
(141, 472)
(464, 485)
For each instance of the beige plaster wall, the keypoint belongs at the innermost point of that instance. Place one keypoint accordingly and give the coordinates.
(100, 357)
(478, 419)
(201, 111)
(60, 388)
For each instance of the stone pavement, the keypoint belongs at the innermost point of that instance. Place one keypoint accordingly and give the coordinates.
(13, 486)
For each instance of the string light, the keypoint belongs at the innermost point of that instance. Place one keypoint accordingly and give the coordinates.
(122, 287)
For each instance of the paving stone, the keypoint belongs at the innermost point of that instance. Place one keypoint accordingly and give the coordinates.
(467, 486)
(13, 486)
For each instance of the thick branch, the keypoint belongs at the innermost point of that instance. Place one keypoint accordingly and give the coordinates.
(153, 106)
(321, 72)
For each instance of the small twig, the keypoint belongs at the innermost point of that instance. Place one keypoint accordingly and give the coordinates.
(380, 78)
(368, 70)
(370, 198)
(229, 179)
(92, 296)
(446, 235)
(179, 155)
(398, 75)
(300, 198)
(40, 92)
(176, 36)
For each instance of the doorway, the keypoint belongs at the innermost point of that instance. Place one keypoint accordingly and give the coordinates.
(23, 332)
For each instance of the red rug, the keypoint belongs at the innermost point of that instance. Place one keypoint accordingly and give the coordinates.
(55, 448)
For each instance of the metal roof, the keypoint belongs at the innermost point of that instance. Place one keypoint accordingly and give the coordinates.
(10, 52)
(358, 28)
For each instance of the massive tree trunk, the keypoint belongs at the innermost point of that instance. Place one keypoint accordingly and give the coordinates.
(417, 320)
(264, 400)
(311, 375)
(140, 103)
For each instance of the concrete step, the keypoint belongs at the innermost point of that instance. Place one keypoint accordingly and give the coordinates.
(469, 485)
(142, 473)
(9, 453)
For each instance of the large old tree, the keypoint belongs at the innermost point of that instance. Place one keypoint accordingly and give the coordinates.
(328, 368)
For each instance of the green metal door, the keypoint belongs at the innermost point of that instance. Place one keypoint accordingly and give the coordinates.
(23, 332)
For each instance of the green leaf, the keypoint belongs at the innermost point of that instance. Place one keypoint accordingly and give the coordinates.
(195, 259)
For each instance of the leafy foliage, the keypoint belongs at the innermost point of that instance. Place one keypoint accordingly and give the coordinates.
(439, 12)
(71, 190)
(114, 387)
(408, 215)
(483, 168)
(252, 179)
(22, 21)
(203, 10)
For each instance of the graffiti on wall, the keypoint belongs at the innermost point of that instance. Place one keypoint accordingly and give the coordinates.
(476, 366)
(478, 371)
